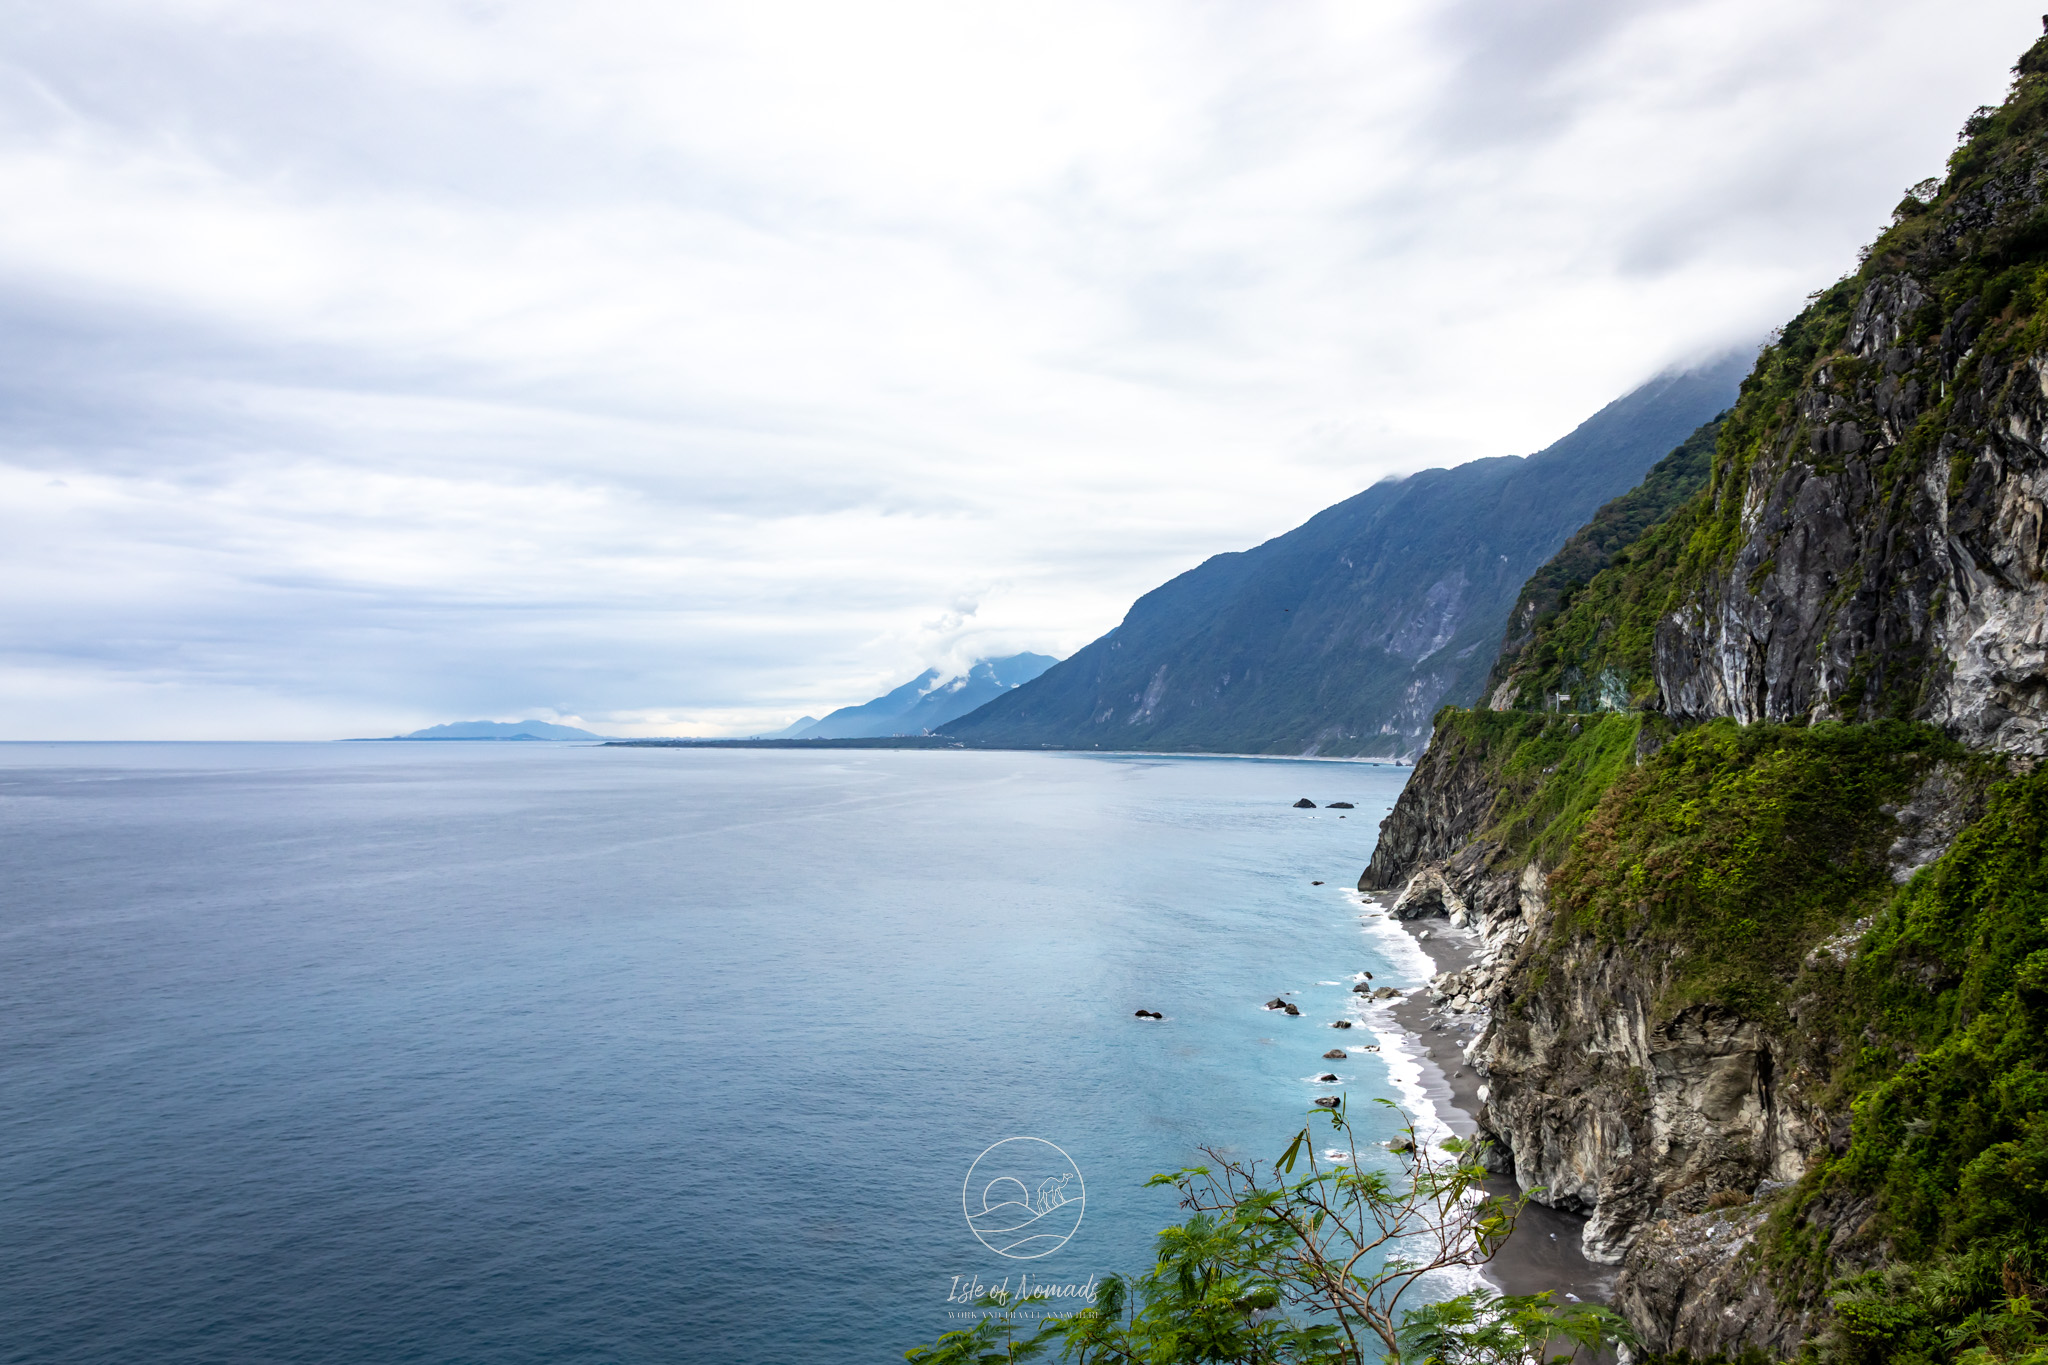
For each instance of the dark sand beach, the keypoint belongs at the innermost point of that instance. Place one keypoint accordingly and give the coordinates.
(1544, 1252)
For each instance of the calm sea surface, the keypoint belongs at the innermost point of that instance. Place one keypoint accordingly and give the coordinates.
(529, 1052)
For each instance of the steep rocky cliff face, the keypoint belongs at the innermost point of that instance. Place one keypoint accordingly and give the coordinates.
(1871, 542)
(1455, 785)
(1890, 551)
(1733, 894)
(1667, 928)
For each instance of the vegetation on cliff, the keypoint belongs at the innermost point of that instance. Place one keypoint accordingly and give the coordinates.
(1950, 1095)
(1748, 864)
(1617, 529)
(1744, 869)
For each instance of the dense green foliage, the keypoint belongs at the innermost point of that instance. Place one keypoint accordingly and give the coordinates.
(1547, 771)
(1950, 1140)
(1614, 535)
(1740, 848)
(1322, 1268)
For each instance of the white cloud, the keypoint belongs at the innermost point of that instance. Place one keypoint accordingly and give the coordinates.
(695, 366)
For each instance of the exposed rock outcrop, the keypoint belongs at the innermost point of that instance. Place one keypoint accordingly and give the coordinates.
(1696, 1283)
(1878, 572)
(1624, 1117)
(1693, 1285)
(1454, 790)
(1930, 820)
(1598, 1105)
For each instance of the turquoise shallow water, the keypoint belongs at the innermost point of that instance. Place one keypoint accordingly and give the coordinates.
(561, 1053)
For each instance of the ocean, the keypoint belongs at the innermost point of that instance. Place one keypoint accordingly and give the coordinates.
(552, 1053)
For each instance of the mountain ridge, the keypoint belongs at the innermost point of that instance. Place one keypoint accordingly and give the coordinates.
(1342, 636)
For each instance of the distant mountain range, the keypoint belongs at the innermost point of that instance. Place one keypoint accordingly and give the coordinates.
(500, 729)
(1343, 636)
(926, 702)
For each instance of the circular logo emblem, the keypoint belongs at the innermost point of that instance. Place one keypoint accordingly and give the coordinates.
(1023, 1198)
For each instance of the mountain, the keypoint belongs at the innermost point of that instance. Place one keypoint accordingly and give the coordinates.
(1761, 911)
(791, 730)
(1344, 635)
(929, 700)
(499, 729)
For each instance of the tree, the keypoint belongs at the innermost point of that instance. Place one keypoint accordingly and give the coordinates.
(1272, 1267)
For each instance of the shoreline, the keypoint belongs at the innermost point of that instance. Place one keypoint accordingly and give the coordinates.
(938, 743)
(1543, 1252)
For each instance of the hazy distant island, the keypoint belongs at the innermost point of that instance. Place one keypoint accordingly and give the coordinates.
(490, 729)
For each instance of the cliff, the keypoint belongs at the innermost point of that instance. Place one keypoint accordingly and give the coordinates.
(1763, 902)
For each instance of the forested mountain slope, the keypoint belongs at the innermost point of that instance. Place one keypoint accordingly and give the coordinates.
(1345, 634)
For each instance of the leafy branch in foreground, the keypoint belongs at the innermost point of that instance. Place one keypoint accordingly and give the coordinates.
(1308, 1263)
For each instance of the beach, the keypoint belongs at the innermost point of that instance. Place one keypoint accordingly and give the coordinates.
(1425, 1046)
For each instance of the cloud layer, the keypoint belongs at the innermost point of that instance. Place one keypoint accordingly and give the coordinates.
(682, 368)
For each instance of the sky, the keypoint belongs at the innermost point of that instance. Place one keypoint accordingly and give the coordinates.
(683, 368)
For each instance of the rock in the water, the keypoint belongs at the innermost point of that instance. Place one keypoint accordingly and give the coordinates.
(1276, 1003)
(1342, 805)
(1334, 1054)
(1149, 1014)
(1315, 883)
(1304, 804)
(1386, 993)
(1342, 1023)
(1327, 1076)
(1362, 988)
(1329, 1101)
(1293, 1009)
(1400, 1145)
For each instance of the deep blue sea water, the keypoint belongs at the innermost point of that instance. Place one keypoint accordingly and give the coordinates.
(523, 1053)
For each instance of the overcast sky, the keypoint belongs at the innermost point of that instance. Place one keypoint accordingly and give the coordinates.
(679, 368)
